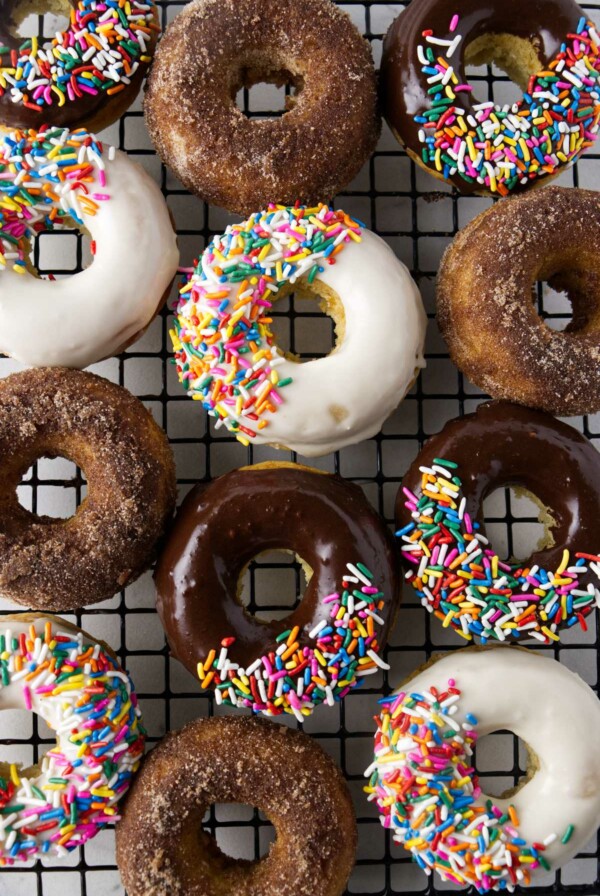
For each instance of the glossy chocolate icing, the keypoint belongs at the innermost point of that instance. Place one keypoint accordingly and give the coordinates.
(77, 113)
(504, 444)
(222, 526)
(545, 23)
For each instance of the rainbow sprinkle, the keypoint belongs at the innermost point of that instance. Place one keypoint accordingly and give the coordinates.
(294, 678)
(83, 694)
(428, 793)
(48, 179)
(502, 148)
(225, 351)
(466, 585)
(100, 52)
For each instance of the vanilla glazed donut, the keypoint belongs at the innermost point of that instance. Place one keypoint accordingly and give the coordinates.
(331, 123)
(56, 177)
(331, 641)
(439, 511)
(162, 849)
(550, 49)
(226, 354)
(86, 75)
(428, 791)
(502, 344)
(75, 683)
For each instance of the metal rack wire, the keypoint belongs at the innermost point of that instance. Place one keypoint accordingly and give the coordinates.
(418, 217)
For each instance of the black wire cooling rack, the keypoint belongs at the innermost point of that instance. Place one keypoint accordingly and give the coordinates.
(418, 217)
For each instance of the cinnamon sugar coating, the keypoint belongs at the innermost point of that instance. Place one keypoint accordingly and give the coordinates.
(163, 851)
(486, 302)
(214, 47)
(55, 564)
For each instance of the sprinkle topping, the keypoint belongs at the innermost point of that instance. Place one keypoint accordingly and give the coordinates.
(465, 584)
(428, 794)
(48, 179)
(295, 676)
(225, 351)
(504, 147)
(83, 694)
(100, 52)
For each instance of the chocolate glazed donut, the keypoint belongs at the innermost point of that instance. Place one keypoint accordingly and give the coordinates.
(222, 526)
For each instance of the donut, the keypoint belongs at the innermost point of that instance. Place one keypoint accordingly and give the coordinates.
(331, 124)
(425, 783)
(550, 49)
(503, 344)
(58, 178)
(56, 564)
(77, 686)
(439, 511)
(162, 849)
(226, 354)
(331, 641)
(87, 75)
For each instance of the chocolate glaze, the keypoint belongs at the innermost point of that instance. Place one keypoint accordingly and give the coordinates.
(222, 526)
(77, 113)
(545, 23)
(505, 444)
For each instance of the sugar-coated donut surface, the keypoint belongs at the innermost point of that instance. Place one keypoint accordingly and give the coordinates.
(52, 668)
(449, 561)
(55, 564)
(163, 851)
(81, 73)
(500, 342)
(56, 177)
(215, 47)
(226, 353)
(428, 791)
(548, 46)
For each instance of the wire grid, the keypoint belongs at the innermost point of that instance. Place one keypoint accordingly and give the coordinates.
(418, 217)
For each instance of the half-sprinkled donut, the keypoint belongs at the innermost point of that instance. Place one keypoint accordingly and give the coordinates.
(326, 646)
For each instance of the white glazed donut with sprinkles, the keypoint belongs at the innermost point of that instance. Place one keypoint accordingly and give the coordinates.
(56, 178)
(428, 791)
(76, 685)
(226, 353)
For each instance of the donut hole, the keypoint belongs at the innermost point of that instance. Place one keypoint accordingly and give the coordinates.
(52, 487)
(38, 18)
(30, 738)
(554, 307)
(517, 57)
(262, 91)
(272, 585)
(308, 321)
(237, 831)
(566, 294)
(517, 523)
(60, 253)
(504, 763)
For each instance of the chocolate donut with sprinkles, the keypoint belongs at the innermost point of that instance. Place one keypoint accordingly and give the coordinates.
(550, 49)
(226, 353)
(76, 685)
(85, 76)
(425, 783)
(331, 641)
(55, 179)
(439, 513)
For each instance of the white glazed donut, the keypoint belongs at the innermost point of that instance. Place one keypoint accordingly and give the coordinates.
(54, 669)
(225, 351)
(71, 177)
(424, 789)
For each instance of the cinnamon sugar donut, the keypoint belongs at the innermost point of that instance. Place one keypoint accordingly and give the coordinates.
(56, 564)
(163, 851)
(215, 47)
(485, 300)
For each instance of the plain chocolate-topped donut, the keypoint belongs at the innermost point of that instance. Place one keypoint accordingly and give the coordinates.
(162, 849)
(331, 123)
(486, 305)
(345, 615)
(439, 514)
(56, 564)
